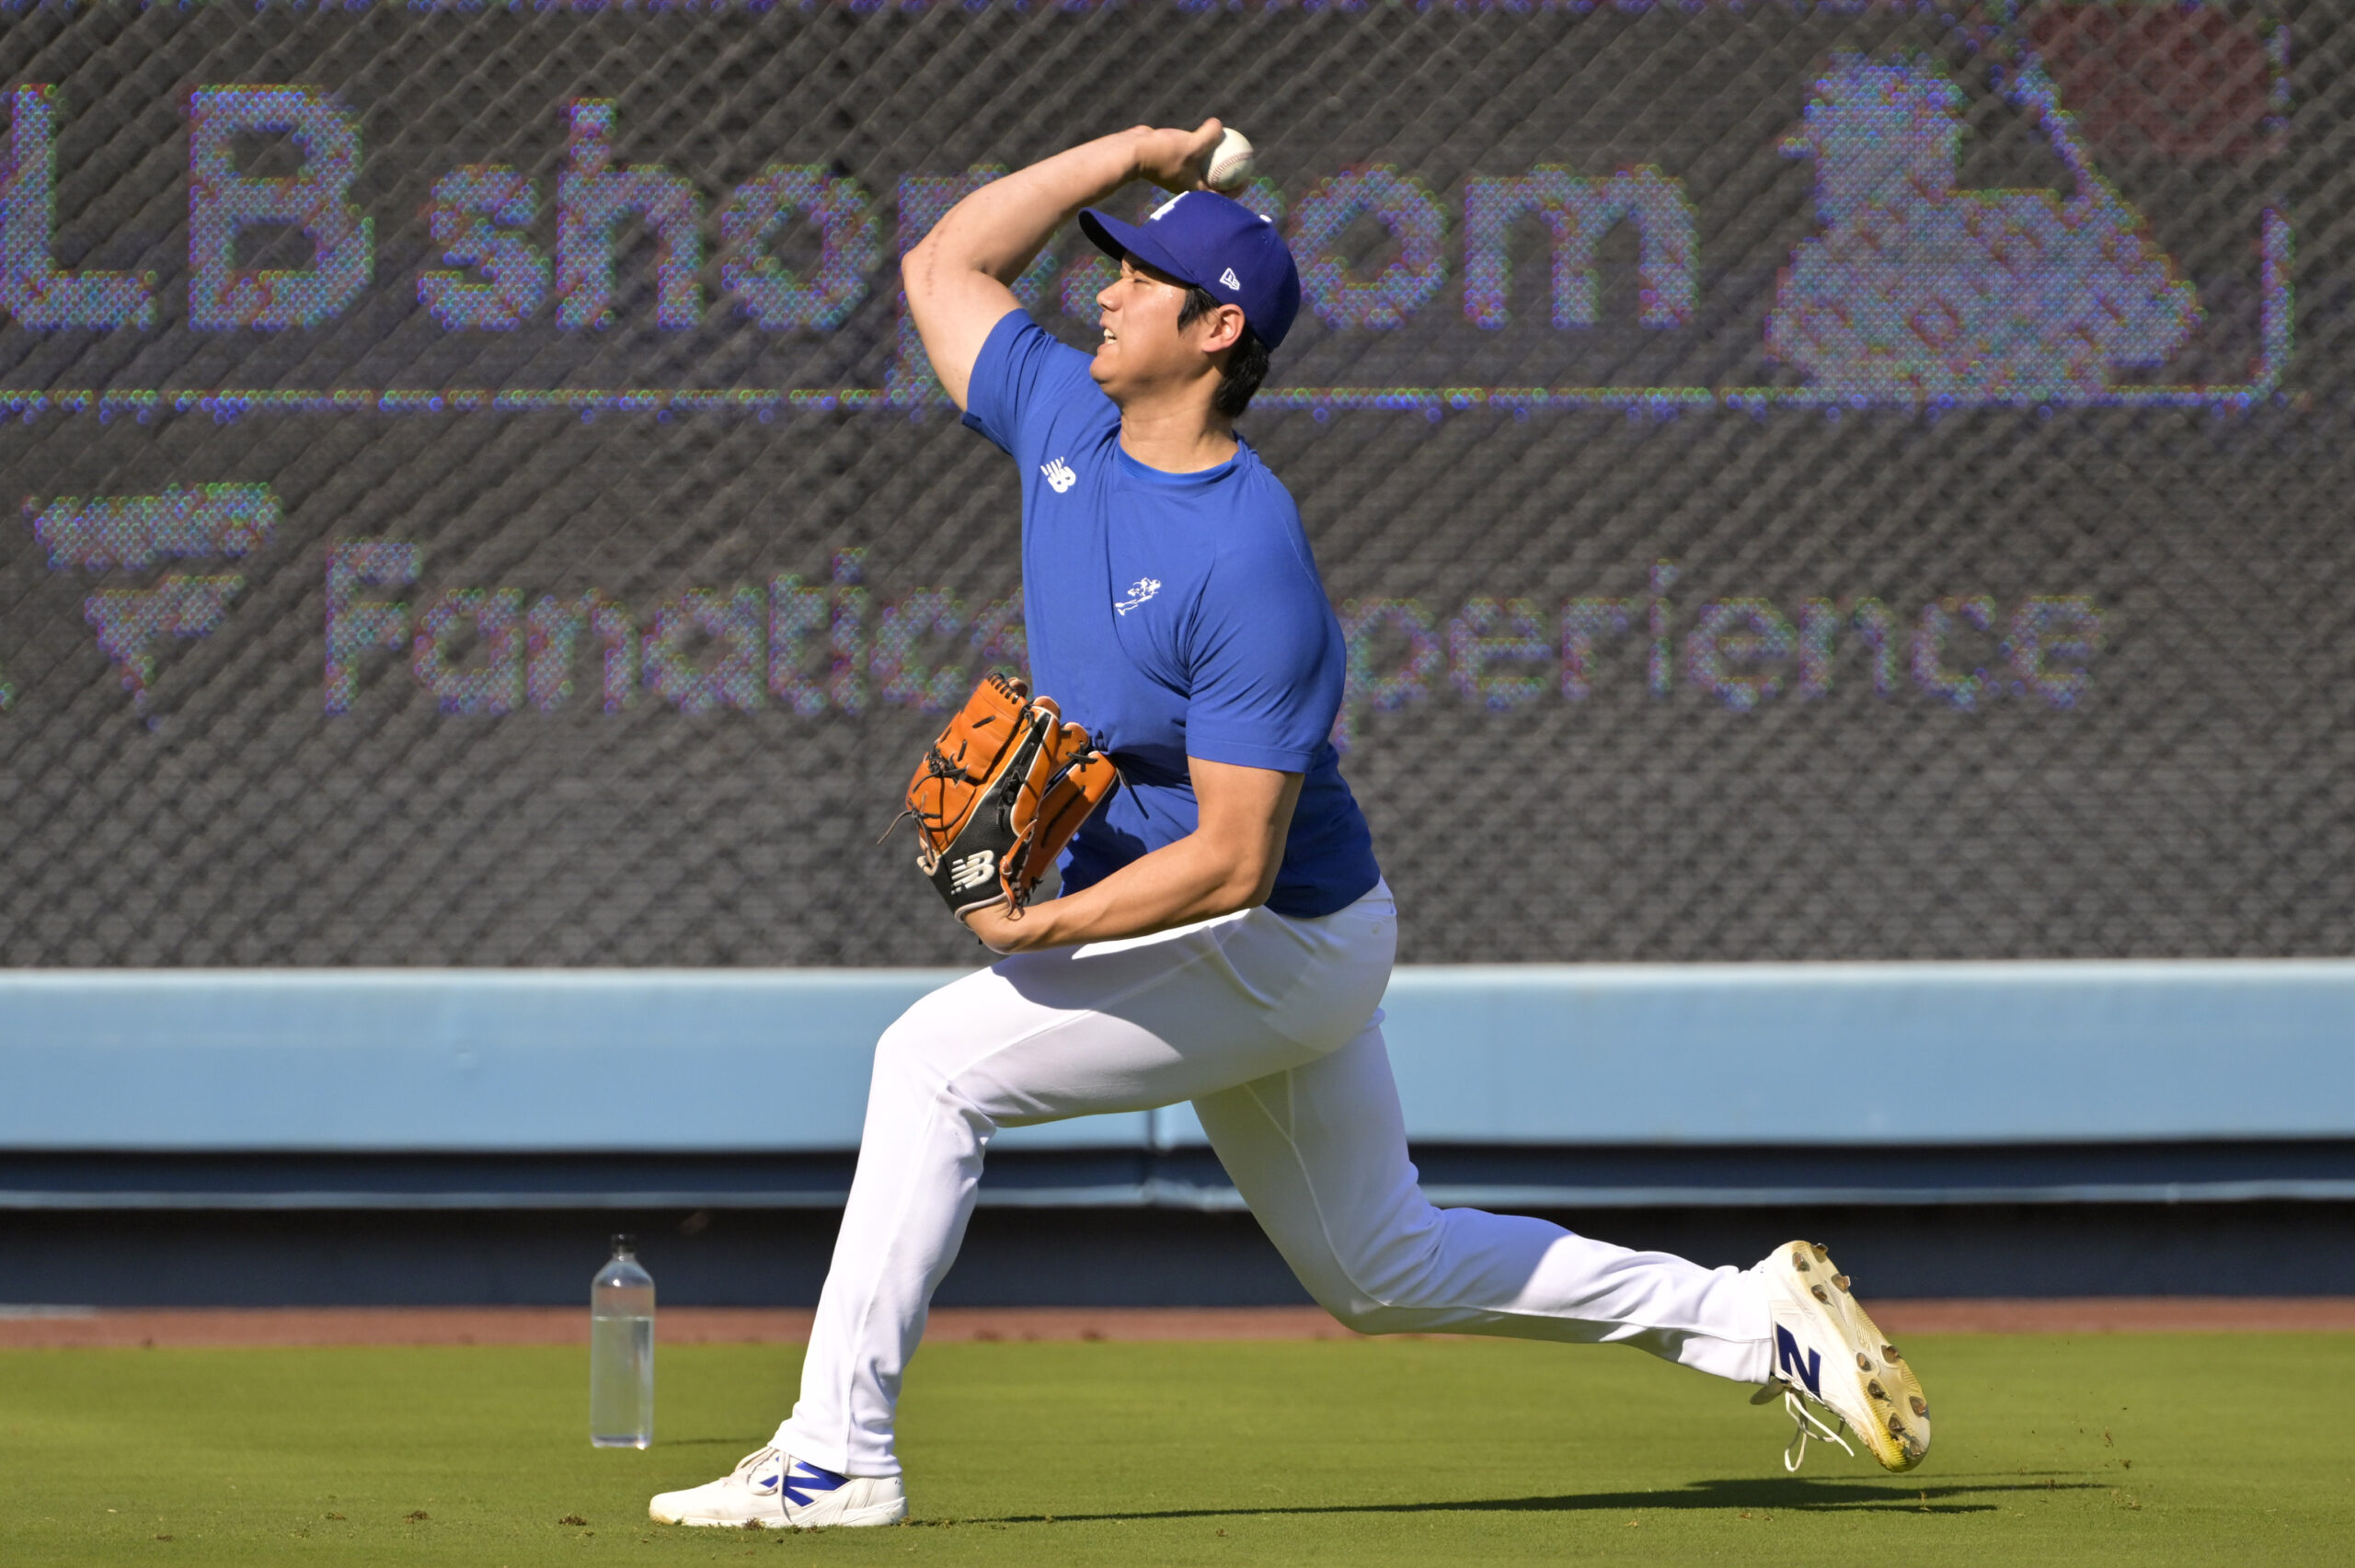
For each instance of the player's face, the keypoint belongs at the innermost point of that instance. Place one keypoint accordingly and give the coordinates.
(1144, 350)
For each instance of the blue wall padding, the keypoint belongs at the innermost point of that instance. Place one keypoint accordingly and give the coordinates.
(777, 1060)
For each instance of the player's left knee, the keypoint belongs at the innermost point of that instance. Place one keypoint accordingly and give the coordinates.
(930, 1032)
(907, 1055)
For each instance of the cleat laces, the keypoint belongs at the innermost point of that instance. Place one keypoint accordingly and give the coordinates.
(1810, 1426)
(747, 1471)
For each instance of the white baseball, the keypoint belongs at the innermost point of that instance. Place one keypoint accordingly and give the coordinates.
(1231, 165)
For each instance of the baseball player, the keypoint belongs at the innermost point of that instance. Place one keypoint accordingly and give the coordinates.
(1224, 934)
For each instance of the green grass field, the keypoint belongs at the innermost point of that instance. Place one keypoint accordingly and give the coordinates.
(2151, 1449)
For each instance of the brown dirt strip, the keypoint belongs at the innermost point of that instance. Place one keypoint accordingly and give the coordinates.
(74, 1329)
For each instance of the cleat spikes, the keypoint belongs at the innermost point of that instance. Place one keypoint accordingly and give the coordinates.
(1877, 1398)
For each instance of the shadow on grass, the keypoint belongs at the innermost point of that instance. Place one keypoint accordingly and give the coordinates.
(1773, 1494)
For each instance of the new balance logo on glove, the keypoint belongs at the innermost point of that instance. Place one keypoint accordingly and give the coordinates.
(973, 870)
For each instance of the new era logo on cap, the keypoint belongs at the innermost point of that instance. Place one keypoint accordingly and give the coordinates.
(1230, 279)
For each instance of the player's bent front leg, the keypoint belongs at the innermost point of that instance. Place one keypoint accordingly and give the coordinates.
(1115, 1026)
(832, 1462)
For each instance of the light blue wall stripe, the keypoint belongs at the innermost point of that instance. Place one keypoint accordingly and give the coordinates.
(1876, 1053)
(777, 1060)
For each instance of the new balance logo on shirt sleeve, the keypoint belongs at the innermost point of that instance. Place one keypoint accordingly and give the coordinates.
(1058, 474)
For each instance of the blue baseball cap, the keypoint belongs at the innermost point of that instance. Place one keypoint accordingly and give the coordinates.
(1214, 243)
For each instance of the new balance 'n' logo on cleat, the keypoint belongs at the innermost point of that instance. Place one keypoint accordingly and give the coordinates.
(768, 1489)
(1829, 1357)
(1792, 1367)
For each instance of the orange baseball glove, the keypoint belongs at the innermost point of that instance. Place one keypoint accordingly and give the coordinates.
(1000, 793)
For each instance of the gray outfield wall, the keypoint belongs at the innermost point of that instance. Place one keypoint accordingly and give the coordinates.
(1857, 480)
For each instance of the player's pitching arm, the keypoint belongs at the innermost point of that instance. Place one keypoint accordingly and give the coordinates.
(1229, 862)
(958, 276)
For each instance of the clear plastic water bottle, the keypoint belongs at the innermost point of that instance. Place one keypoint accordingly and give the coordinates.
(621, 1351)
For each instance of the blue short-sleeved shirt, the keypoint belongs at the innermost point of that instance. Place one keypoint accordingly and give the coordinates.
(1174, 615)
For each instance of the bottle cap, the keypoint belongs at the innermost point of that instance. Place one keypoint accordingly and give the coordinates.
(624, 1242)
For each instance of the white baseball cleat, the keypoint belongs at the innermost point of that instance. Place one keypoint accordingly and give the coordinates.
(770, 1489)
(1829, 1355)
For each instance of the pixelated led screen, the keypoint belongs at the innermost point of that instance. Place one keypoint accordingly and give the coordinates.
(1799, 481)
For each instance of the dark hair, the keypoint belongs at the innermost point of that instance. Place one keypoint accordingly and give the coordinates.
(1246, 362)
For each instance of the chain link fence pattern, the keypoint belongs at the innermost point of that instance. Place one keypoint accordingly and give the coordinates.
(1793, 493)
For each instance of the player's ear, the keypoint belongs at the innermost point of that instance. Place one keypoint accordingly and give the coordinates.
(1225, 328)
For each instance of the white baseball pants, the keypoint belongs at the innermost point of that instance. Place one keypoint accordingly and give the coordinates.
(1269, 1026)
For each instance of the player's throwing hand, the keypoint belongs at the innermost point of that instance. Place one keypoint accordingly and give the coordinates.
(1177, 160)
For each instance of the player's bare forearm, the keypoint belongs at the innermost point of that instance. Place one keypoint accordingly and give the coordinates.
(1229, 862)
(958, 276)
(1176, 884)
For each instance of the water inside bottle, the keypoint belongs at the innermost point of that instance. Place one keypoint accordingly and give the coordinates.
(621, 1382)
(621, 1353)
